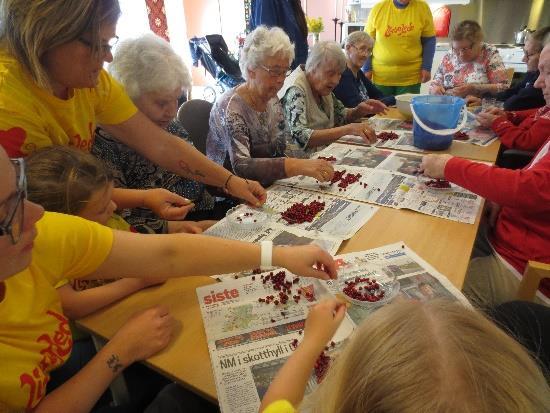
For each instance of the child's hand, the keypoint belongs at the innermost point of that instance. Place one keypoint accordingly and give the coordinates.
(166, 204)
(144, 334)
(323, 321)
(301, 260)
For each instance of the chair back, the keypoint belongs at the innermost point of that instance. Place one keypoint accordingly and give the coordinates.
(533, 275)
(510, 74)
(193, 115)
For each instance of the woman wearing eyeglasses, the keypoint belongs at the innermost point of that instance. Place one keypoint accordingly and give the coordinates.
(354, 87)
(54, 91)
(37, 250)
(248, 130)
(471, 67)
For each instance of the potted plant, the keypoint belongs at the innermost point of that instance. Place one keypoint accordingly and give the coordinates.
(315, 26)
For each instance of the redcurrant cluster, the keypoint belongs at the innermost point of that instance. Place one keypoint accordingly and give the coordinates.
(299, 212)
(284, 288)
(328, 158)
(363, 289)
(387, 136)
(438, 183)
(321, 367)
(461, 136)
(344, 180)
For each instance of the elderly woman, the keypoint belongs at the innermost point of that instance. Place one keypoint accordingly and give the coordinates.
(315, 115)
(471, 67)
(154, 77)
(354, 86)
(54, 91)
(247, 124)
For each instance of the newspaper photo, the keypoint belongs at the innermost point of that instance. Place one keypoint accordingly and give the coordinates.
(250, 336)
(393, 182)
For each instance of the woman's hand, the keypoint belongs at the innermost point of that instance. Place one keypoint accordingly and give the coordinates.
(316, 168)
(463, 90)
(425, 76)
(369, 107)
(434, 165)
(322, 322)
(436, 89)
(363, 130)
(472, 100)
(144, 334)
(487, 117)
(166, 204)
(301, 261)
(250, 191)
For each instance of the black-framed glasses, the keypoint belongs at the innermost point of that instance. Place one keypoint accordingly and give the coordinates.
(463, 49)
(528, 55)
(105, 47)
(364, 49)
(13, 224)
(277, 72)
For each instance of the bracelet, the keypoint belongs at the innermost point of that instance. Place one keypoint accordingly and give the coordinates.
(227, 182)
(266, 255)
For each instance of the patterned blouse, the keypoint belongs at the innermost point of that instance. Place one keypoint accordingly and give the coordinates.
(294, 103)
(254, 142)
(133, 171)
(487, 68)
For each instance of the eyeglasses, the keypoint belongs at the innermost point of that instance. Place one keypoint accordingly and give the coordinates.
(277, 72)
(13, 224)
(105, 48)
(463, 49)
(363, 50)
(528, 55)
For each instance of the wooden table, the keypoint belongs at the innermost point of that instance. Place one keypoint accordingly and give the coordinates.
(444, 244)
(462, 149)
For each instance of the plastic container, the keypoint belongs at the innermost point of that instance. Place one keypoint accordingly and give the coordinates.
(436, 119)
(389, 285)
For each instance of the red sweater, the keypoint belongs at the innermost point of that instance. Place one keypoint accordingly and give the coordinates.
(522, 230)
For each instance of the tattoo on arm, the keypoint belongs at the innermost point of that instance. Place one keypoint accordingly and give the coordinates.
(188, 172)
(114, 363)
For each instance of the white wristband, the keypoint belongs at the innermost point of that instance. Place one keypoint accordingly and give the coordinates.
(266, 255)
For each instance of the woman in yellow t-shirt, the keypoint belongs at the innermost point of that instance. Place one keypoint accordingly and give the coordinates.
(37, 250)
(404, 45)
(54, 91)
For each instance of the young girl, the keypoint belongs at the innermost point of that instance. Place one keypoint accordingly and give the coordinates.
(67, 180)
(410, 356)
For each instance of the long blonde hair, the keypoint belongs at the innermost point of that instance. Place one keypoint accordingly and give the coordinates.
(30, 28)
(437, 356)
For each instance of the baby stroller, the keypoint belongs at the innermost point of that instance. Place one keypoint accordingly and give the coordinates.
(214, 56)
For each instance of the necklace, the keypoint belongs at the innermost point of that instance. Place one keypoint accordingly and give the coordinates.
(257, 104)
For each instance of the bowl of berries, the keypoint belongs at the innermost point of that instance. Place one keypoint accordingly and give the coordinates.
(369, 290)
(246, 218)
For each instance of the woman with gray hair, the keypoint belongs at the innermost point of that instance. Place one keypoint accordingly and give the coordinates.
(315, 115)
(154, 77)
(248, 130)
(354, 86)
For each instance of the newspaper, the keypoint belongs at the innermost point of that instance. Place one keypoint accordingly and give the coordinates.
(389, 178)
(477, 135)
(249, 340)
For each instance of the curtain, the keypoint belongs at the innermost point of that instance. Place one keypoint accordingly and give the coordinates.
(157, 18)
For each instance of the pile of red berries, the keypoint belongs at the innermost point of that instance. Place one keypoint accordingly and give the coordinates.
(328, 158)
(438, 183)
(461, 136)
(284, 288)
(344, 179)
(363, 289)
(299, 212)
(321, 366)
(387, 136)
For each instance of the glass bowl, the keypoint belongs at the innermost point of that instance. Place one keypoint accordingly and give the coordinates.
(354, 284)
(246, 218)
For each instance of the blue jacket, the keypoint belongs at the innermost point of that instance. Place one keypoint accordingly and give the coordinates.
(523, 95)
(348, 91)
(281, 14)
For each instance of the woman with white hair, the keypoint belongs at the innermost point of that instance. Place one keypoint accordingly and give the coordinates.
(154, 77)
(247, 125)
(315, 115)
(354, 86)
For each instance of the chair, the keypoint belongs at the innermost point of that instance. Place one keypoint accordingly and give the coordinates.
(510, 74)
(532, 276)
(193, 115)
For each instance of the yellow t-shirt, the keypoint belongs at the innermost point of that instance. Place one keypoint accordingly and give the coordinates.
(34, 334)
(32, 117)
(397, 53)
(280, 406)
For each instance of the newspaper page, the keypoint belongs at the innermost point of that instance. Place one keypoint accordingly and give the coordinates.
(389, 179)
(474, 134)
(249, 340)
